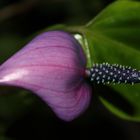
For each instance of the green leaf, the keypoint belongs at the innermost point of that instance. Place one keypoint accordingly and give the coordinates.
(114, 36)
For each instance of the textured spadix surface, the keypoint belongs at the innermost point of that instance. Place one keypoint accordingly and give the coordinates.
(52, 66)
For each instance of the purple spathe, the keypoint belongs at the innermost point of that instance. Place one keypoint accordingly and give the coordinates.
(53, 66)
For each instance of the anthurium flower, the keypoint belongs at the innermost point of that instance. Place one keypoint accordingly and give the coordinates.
(52, 66)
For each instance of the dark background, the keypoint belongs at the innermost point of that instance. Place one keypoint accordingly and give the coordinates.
(24, 116)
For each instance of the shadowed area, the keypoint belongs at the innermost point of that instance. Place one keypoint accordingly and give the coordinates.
(115, 98)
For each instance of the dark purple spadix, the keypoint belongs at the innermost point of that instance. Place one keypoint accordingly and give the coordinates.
(106, 73)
